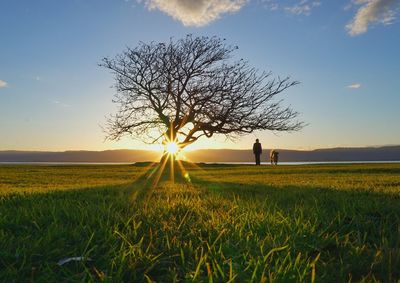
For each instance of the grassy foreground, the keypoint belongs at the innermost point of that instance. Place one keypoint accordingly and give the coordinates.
(328, 223)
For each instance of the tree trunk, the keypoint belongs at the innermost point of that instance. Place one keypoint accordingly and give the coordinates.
(167, 167)
(171, 169)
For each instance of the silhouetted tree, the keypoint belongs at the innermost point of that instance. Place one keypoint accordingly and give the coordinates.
(185, 89)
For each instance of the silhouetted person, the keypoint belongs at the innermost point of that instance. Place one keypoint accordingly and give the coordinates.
(257, 150)
(276, 157)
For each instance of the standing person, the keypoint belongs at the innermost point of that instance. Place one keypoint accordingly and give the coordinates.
(276, 156)
(257, 150)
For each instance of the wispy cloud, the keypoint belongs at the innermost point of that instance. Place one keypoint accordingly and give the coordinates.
(372, 12)
(271, 5)
(304, 7)
(297, 7)
(195, 12)
(3, 84)
(354, 86)
(59, 103)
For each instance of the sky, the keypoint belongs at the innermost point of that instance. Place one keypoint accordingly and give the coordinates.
(345, 53)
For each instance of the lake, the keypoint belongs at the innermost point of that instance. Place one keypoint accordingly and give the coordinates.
(233, 163)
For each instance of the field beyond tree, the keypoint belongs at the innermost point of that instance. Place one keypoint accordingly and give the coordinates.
(228, 223)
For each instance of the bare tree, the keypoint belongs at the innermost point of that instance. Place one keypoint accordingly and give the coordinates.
(185, 89)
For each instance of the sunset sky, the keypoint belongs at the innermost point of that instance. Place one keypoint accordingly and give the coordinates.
(345, 53)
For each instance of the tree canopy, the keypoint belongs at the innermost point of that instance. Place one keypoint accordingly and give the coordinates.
(185, 89)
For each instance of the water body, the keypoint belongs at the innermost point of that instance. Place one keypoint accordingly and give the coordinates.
(232, 163)
(307, 162)
(66, 163)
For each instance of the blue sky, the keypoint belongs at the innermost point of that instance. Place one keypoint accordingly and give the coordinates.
(54, 96)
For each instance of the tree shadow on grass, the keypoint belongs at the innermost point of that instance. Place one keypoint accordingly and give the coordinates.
(39, 229)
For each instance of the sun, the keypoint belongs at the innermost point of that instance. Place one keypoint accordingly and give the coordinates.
(172, 148)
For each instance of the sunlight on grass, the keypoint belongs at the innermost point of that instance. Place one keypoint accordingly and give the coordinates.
(170, 164)
(330, 223)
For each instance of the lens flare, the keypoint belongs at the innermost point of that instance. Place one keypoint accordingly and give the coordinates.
(172, 148)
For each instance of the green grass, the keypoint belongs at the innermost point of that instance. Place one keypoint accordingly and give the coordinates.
(331, 223)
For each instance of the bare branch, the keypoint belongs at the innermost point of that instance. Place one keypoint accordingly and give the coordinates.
(190, 88)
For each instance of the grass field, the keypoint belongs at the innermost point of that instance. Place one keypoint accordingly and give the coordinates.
(322, 223)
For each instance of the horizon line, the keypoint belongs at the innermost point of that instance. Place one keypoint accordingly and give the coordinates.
(192, 150)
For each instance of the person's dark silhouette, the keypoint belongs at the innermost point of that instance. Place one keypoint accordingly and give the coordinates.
(257, 150)
(276, 157)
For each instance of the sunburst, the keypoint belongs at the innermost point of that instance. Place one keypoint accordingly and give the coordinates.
(172, 148)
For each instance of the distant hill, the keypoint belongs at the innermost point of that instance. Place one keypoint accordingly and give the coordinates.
(386, 153)
(124, 155)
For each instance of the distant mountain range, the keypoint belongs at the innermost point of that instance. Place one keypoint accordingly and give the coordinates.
(385, 153)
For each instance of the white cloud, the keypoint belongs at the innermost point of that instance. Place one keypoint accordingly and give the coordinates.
(354, 86)
(202, 12)
(304, 7)
(3, 84)
(195, 12)
(372, 12)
